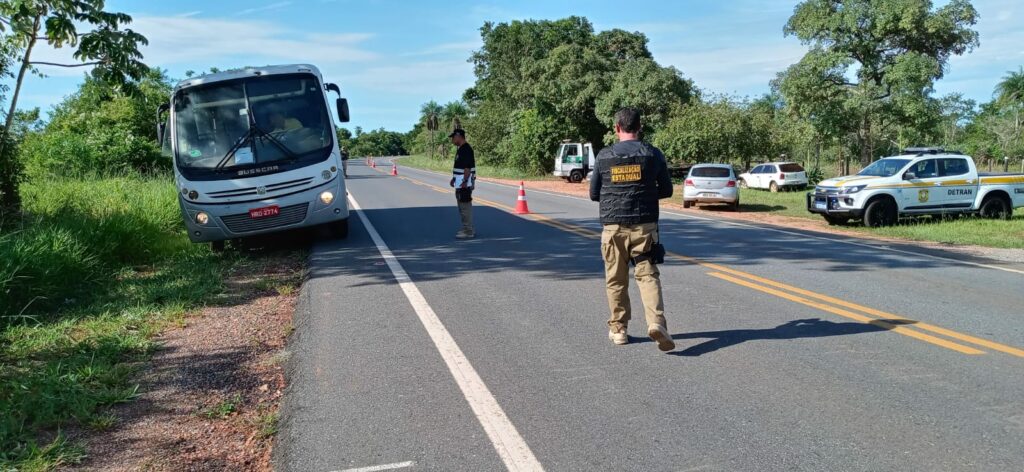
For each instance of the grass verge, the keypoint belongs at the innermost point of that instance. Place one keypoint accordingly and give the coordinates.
(441, 164)
(94, 271)
(970, 230)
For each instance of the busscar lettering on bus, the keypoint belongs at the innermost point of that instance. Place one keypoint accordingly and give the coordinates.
(626, 173)
(260, 170)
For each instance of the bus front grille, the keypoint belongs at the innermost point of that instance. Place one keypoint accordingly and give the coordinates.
(243, 223)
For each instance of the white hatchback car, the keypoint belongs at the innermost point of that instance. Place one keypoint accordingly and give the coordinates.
(711, 183)
(775, 176)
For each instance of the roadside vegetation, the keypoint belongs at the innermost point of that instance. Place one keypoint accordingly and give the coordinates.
(97, 267)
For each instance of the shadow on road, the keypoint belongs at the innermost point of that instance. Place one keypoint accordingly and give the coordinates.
(423, 239)
(796, 329)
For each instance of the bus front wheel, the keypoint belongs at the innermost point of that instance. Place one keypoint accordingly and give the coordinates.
(339, 229)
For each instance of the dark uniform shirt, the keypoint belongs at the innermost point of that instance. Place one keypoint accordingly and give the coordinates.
(464, 159)
(629, 178)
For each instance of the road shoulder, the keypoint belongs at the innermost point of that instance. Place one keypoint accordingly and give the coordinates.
(208, 397)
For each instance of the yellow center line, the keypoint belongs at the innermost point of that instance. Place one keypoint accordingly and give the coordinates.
(883, 324)
(880, 321)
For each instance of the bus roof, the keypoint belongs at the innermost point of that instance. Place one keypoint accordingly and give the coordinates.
(247, 72)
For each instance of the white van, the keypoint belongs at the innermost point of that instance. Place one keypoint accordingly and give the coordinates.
(255, 151)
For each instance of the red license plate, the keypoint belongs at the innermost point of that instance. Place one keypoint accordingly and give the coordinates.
(265, 212)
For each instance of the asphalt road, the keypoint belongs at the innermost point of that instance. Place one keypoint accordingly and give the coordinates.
(795, 350)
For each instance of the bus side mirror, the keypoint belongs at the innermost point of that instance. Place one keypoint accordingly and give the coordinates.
(160, 124)
(342, 110)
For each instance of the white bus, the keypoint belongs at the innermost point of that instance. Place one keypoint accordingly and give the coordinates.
(255, 151)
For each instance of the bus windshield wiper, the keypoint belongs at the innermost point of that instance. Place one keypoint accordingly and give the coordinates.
(234, 148)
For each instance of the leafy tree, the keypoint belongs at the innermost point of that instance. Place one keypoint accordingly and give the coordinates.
(872, 63)
(645, 85)
(530, 143)
(112, 51)
(101, 129)
(378, 142)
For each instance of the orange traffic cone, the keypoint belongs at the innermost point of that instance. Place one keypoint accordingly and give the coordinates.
(394, 169)
(373, 163)
(521, 207)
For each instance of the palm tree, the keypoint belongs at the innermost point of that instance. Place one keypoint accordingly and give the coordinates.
(1011, 89)
(429, 114)
(453, 112)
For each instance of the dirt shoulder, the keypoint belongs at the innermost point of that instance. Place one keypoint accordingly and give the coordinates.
(208, 397)
(1015, 256)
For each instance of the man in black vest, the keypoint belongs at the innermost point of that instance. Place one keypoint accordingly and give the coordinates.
(629, 178)
(464, 180)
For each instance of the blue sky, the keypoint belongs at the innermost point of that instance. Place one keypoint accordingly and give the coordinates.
(391, 56)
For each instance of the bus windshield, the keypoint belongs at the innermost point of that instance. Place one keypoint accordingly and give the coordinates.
(258, 121)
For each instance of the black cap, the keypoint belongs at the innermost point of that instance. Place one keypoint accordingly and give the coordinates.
(458, 131)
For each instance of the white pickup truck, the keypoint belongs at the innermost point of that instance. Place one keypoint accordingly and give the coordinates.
(921, 181)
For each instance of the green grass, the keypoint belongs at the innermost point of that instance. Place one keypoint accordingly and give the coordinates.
(967, 230)
(95, 269)
(224, 408)
(441, 164)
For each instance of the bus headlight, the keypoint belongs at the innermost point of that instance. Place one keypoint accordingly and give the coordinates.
(327, 198)
(202, 218)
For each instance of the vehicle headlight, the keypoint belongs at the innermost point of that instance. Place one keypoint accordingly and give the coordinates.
(327, 198)
(854, 189)
(202, 218)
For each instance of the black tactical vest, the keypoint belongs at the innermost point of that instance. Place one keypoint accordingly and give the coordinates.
(629, 185)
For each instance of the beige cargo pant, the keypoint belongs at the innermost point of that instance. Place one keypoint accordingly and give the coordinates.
(620, 243)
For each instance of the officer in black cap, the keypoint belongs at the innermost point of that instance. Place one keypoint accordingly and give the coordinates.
(464, 179)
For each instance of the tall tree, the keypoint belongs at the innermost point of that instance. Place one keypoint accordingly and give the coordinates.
(1010, 90)
(84, 25)
(430, 115)
(872, 63)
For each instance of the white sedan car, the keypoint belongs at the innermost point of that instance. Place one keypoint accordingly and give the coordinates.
(775, 176)
(711, 183)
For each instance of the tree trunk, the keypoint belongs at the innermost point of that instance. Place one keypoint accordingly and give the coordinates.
(864, 141)
(10, 198)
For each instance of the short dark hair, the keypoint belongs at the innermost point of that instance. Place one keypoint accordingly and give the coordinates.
(628, 119)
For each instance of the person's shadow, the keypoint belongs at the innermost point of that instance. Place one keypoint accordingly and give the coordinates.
(807, 328)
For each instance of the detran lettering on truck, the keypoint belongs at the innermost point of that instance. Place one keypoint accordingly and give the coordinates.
(255, 151)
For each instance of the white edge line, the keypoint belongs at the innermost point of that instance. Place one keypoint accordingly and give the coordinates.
(378, 468)
(766, 227)
(510, 446)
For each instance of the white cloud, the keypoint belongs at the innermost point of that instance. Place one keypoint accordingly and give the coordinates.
(272, 6)
(199, 43)
(438, 79)
(734, 69)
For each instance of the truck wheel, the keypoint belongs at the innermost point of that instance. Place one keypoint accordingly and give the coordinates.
(836, 220)
(217, 246)
(774, 187)
(879, 213)
(996, 207)
(576, 176)
(743, 183)
(339, 229)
